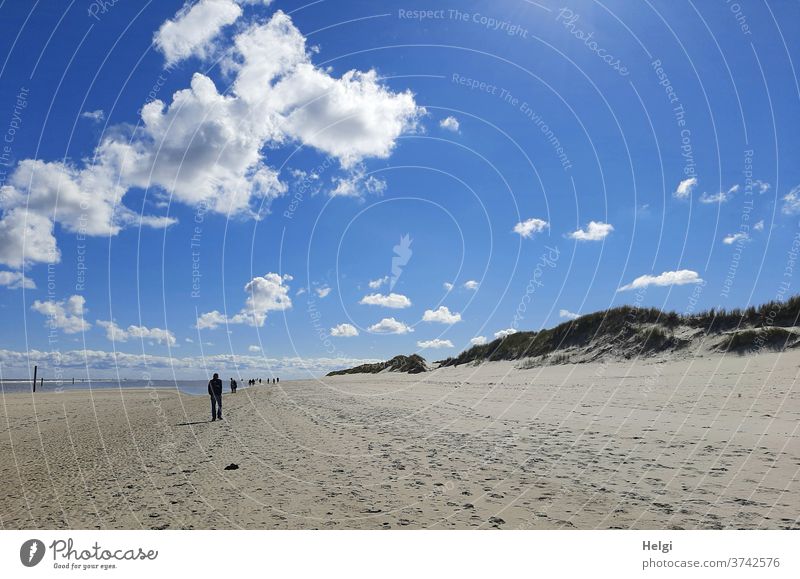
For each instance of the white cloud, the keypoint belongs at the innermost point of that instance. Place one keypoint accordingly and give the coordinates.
(667, 278)
(188, 340)
(344, 331)
(530, 226)
(206, 148)
(377, 283)
(447, 286)
(435, 344)
(732, 238)
(323, 291)
(721, 197)
(66, 315)
(566, 314)
(390, 326)
(595, 231)
(505, 333)
(117, 334)
(441, 315)
(762, 186)
(450, 124)
(356, 183)
(269, 293)
(759, 226)
(471, 284)
(210, 320)
(685, 188)
(192, 31)
(254, 349)
(478, 341)
(393, 300)
(16, 280)
(791, 201)
(94, 116)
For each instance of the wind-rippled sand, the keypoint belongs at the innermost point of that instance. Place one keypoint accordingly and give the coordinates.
(707, 443)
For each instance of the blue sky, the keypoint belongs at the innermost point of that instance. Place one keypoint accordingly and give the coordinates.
(216, 184)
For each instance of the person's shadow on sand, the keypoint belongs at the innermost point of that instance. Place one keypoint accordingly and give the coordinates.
(192, 423)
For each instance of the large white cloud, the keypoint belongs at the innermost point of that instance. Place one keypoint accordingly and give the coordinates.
(344, 331)
(441, 315)
(667, 278)
(66, 315)
(205, 148)
(595, 231)
(392, 300)
(478, 341)
(117, 334)
(268, 293)
(390, 326)
(530, 226)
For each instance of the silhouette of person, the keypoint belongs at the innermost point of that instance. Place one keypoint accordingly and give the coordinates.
(215, 391)
(278, 379)
(233, 385)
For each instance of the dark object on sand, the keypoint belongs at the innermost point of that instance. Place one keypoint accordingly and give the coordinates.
(232, 466)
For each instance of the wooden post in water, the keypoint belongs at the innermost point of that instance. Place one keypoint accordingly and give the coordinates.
(35, 369)
(41, 382)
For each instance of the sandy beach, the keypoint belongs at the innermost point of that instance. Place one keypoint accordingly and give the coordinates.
(707, 443)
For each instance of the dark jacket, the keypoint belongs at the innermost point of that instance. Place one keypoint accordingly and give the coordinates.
(215, 387)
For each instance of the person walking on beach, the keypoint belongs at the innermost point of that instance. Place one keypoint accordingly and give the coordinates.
(215, 391)
(233, 385)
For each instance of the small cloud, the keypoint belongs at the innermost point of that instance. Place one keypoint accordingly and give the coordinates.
(450, 124)
(254, 349)
(530, 226)
(595, 231)
(478, 341)
(188, 340)
(791, 202)
(505, 333)
(471, 284)
(685, 188)
(66, 315)
(344, 331)
(442, 315)
(447, 286)
(761, 186)
(735, 237)
(357, 184)
(759, 226)
(437, 343)
(300, 292)
(16, 280)
(667, 278)
(393, 300)
(390, 326)
(568, 315)
(377, 283)
(323, 291)
(721, 197)
(94, 116)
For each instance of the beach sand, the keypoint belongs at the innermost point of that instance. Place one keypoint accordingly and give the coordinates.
(704, 443)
